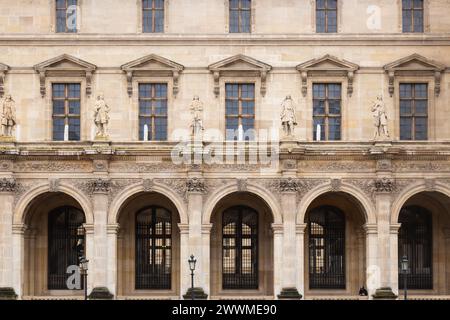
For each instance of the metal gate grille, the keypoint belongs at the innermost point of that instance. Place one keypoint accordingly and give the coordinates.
(415, 242)
(153, 248)
(240, 248)
(326, 248)
(62, 240)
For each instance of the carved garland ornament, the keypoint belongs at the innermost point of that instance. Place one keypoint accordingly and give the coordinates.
(8, 185)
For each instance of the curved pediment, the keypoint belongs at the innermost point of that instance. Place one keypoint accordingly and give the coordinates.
(152, 65)
(239, 65)
(65, 62)
(414, 62)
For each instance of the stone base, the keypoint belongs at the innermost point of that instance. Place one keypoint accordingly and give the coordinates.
(198, 294)
(385, 293)
(289, 294)
(101, 293)
(101, 138)
(7, 139)
(7, 294)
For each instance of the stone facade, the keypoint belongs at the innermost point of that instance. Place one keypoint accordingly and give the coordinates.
(111, 179)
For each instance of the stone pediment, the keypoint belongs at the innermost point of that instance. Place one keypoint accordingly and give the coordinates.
(152, 65)
(239, 65)
(327, 65)
(65, 65)
(415, 64)
(3, 69)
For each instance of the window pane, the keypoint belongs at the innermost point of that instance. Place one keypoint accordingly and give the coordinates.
(332, 21)
(74, 129)
(248, 125)
(58, 107)
(231, 90)
(145, 107)
(60, 20)
(334, 127)
(147, 22)
(159, 4)
(405, 128)
(246, 4)
(74, 107)
(74, 90)
(145, 90)
(234, 4)
(160, 129)
(421, 128)
(405, 107)
(332, 4)
(421, 107)
(248, 107)
(319, 91)
(406, 21)
(320, 21)
(405, 91)
(319, 107)
(245, 21)
(60, 4)
(161, 91)
(421, 91)
(159, 21)
(232, 107)
(58, 129)
(160, 107)
(234, 21)
(142, 122)
(58, 91)
(248, 91)
(418, 4)
(320, 4)
(321, 122)
(334, 107)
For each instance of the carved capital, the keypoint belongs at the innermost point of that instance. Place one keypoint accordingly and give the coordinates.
(196, 185)
(206, 228)
(184, 228)
(113, 228)
(394, 227)
(277, 228)
(300, 228)
(7, 185)
(370, 228)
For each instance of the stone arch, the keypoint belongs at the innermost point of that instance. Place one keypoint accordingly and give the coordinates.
(124, 195)
(256, 190)
(20, 209)
(411, 191)
(366, 205)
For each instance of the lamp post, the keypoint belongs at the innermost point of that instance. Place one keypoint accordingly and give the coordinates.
(192, 261)
(404, 267)
(83, 263)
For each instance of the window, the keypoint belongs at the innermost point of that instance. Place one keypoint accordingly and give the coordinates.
(62, 245)
(412, 12)
(153, 111)
(240, 248)
(153, 16)
(326, 16)
(326, 248)
(413, 111)
(66, 16)
(66, 111)
(153, 248)
(240, 16)
(327, 111)
(240, 111)
(415, 242)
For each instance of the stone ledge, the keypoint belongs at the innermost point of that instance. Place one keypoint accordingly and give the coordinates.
(289, 294)
(7, 294)
(197, 293)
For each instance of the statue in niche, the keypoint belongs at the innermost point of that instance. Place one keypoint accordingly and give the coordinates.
(288, 119)
(101, 116)
(380, 119)
(196, 109)
(8, 116)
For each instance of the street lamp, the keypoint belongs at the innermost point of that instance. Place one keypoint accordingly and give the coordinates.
(83, 263)
(405, 267)
(192, 261)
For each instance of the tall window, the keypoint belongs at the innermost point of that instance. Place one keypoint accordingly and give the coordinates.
(62, 245)
(240, 16)
(153, 248)
(153, 16)
(326, 16)
(415, 242)
(413, 111)
(240, 248)
(153, 111)
(327, 111)
(66, 16)
(412, 12)
(326, 248)
(240, 111)
(66, 111)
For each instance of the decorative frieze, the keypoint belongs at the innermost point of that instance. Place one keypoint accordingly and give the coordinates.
(7, 185)
(52, 166)
(196, 185)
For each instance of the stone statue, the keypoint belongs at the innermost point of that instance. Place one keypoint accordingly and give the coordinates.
(380, 119)
(288, 116)
(196, 108)
(101, 116)
(8, 116)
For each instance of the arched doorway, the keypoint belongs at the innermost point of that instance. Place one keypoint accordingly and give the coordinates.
(50, 246)
(148, 247)
(241, 247)
(424, 238)
(335, 260)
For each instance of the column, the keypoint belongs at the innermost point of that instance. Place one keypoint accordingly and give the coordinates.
(278, 274)
(300, 256)
(111, 265)
(393, 254)
(90, 255)
(6, 238)
(18, 240)
(185, 283)
(373, 270)
(206, 264)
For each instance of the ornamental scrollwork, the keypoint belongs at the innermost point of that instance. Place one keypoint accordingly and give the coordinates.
(8, 185)
(384, 185)
(196, 185)
(101, 186)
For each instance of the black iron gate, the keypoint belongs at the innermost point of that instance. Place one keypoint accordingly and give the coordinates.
(326, 248)
(153, 248)
(240, 248)
(63, 223)
(415, 242)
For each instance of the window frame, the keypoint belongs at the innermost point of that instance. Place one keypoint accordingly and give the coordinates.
(239, 10)
(54, 14)
(413, 115)
(326, 10)
(153, 10)
(327, 114)
(239, 99)
(66, 115)
(412, 10)
(152, 117)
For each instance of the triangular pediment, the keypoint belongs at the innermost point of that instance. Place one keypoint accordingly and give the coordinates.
(152, 62)
(239, 62)
(327, 63)
(414, 62)
(65, 62)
